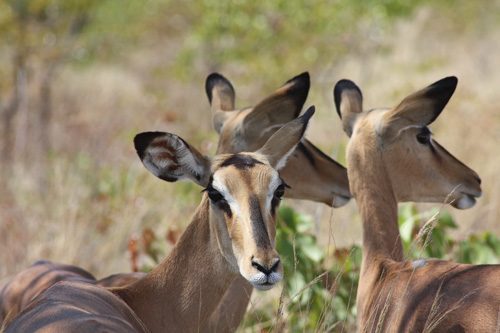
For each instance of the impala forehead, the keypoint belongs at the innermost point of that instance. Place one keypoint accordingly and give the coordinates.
(244, 175)
(369, 121)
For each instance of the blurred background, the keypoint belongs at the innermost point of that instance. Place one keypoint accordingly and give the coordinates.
(79, 78)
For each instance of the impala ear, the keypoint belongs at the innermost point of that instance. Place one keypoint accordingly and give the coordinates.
(349, 103)
(170, 158)
(420, 108)
(282, 143)
(279, 108)
(221, 96)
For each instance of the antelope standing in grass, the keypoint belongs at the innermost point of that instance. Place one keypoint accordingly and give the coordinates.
(391, 158)
(232, 232)
(311, 174)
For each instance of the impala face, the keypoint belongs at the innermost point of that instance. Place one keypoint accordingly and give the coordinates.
(244, 194)
(311, 174)
(418, 167)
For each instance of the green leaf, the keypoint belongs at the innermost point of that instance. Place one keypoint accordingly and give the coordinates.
(445, 219)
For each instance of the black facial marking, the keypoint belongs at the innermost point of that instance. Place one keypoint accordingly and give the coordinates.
(305, 150)
(307, 154)
(433, 151)
(217, 199)
(259, 229)
(242, 162)
(275, 201)
(224, 206)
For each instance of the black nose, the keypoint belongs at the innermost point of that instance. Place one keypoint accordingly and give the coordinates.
(265, 270)
(478, 180)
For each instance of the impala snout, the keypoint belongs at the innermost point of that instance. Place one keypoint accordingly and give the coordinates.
(468, 194)
(341, 199)
(265, 274)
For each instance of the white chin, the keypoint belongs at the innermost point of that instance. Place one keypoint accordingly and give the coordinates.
(340, 201)
(467, 201)
(263, 287)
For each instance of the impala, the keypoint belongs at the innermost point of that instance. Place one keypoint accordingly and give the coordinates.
(311, 174)
(232, 232)
(391, 158)
(28, 284)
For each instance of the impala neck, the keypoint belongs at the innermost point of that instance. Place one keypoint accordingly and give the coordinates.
(181, 293)
(378, 208)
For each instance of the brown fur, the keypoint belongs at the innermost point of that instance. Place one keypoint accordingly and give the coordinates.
(181, 293)
(386, 165)
(311, 174)
(30, 283)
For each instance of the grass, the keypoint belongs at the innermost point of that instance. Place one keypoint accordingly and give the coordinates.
(97, 196)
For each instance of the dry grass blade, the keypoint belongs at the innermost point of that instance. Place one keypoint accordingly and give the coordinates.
(316, 279)
(423, 237)
(436, 317)
(280, 322)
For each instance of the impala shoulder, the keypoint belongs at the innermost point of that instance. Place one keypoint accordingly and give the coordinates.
(419, 263)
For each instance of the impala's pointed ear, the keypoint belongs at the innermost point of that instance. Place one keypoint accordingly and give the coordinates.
(170, 158)
(349, 103)
(282, 143)
(279, 108)
(420, 108)
(221, 96)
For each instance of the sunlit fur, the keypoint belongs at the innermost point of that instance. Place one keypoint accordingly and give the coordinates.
(387, 163)
(181, 293)
(310, 174)
(28, 284)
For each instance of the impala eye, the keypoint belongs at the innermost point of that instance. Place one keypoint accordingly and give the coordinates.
(280, 191)
(424, 137)
(213, 194)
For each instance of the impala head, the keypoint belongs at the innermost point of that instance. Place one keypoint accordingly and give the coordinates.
(242, 194)
(399, 144)
(249, 129)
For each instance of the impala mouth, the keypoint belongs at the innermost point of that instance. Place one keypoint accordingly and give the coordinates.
(466, 201)
(264, 282)
(264, 286)
(340, 200)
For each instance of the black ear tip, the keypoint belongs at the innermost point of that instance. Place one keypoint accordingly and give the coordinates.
(345, 84)
(342, 85)
(301, 79)
(309, 113)
(214, 79)
(301, 83)
(452, 80)
(449, 82)
(304, 77)
(143, 140)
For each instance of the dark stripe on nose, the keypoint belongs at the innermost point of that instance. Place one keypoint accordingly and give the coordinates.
(259, 229)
